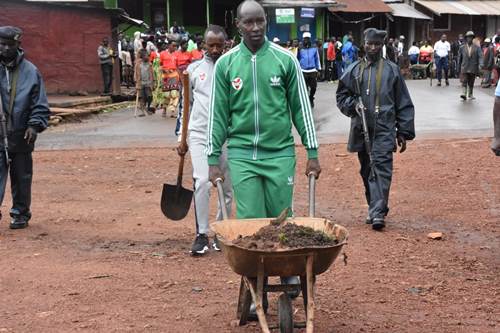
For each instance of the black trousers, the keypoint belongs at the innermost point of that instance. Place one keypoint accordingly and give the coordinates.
(21, 175)
(312, 84)
(107, 77)
(468, 81)
(377, 188)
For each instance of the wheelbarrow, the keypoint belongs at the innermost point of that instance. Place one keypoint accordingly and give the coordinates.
(255, 266)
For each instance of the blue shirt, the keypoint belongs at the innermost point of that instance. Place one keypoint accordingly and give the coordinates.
(309, 59)
(497, 91)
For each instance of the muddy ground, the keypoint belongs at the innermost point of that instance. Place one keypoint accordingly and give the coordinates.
(100, 257)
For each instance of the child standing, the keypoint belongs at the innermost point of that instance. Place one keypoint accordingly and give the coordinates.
(144, 78)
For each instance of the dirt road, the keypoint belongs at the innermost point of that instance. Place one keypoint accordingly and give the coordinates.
(100, 257)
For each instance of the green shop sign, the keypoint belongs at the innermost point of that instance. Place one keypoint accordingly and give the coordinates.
(285, 15)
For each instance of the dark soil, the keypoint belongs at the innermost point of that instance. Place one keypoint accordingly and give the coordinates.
(289, 235)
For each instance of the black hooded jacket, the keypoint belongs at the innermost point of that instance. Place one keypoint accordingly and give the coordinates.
(396, 116)
(30, 108)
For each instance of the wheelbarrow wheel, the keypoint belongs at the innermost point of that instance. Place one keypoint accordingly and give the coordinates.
(285, 313)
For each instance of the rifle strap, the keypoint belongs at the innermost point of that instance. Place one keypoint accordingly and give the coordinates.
(12, 98)
(378, 83)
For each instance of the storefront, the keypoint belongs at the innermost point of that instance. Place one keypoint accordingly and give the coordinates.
(287, 20)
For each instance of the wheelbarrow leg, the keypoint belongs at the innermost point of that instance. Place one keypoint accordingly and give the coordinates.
(310, 295)
(257, 295)
(244, 302)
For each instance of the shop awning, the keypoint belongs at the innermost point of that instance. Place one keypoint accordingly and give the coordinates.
(462, 7)
(404, 10)
(298, 3)
(361, 6)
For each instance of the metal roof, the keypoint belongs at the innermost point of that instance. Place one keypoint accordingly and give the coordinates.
(298, 3)
(462, 7)
(404, 10)
(361, 6)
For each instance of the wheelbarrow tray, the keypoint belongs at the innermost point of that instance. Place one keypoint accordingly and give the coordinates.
(277, 262)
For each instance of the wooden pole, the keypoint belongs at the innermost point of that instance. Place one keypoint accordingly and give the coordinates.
(208, 13)
(310, 295)
(168, 15)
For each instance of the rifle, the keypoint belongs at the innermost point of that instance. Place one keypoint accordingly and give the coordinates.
(361, 111)
(3, 127)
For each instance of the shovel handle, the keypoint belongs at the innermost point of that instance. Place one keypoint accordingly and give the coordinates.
(222, 201)
(312, 195)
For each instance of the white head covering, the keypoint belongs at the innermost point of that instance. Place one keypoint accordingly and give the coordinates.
(306, 34)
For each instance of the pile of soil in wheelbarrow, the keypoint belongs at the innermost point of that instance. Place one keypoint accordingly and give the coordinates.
(287, 235)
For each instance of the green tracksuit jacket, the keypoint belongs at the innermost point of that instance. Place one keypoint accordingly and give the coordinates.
(254, 100)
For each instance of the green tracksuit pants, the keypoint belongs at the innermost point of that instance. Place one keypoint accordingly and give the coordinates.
(263, 188)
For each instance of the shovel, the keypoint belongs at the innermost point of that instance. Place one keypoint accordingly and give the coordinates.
(175, 199)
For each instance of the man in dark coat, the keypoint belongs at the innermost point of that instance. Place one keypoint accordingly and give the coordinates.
(390, 114)
(26, 112)
(470, 59)
(489, 61)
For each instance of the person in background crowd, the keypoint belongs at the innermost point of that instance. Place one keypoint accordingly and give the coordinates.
(24, 101)
(347, 36)
(495, 145)
(183, 60)
(137, 43)
(106, 59)
(349, 52)
(496, 35)
(308, 57)
(471, 60)
(183, 57)
(144, 79)
(390, 118)
(175, 29)
(489, 61)
(441, 55)
(171, 79)
(120, 39)
(426, 53)
(276, 40)
(401, 47)
(331, 70)
(338, 58)
(321, 54)
(198, 53)
(150, 45)
(127, 67)
(294, 48)
(413, 53)
(389, 51)
(455, 47)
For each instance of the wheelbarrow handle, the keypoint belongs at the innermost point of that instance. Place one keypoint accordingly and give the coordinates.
(222, 200)
(312, 195)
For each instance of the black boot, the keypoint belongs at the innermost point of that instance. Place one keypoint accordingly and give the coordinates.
(18, 223)
(464, 94)
(378, 223)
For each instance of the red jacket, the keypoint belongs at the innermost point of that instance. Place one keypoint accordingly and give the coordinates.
(330, 53)
(183, 59)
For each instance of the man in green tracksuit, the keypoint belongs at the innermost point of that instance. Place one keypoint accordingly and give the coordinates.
(258, 91)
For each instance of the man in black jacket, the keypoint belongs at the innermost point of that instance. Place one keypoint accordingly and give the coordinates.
(26, 111)
(390, 114)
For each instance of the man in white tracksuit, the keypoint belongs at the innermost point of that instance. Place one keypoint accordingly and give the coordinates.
(200, 77)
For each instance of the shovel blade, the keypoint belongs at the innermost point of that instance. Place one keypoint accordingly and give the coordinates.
(175, 201)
